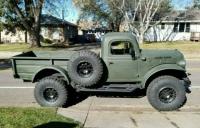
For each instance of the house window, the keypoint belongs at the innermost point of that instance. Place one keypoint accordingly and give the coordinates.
(121, 48)
(163, 26)
(187, 27)
(181, 27)
(176, 27)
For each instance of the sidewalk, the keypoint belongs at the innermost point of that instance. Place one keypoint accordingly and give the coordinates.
(98, 112)
(7, 55)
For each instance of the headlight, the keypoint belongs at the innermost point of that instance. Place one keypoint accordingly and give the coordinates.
(182, 63)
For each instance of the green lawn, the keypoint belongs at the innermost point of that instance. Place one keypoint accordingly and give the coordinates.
(19, 47)
(13, 47)
(190, 49)
(34, 118)
(184, 46)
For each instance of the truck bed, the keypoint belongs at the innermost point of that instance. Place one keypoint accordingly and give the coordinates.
(26, 64)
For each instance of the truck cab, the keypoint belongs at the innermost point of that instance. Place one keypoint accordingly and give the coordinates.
(122, 55)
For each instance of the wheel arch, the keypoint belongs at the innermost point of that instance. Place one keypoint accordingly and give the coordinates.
(48, 71)
(172, 70)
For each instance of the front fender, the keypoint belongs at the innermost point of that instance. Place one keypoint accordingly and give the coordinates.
(161, 68)
(62, 71)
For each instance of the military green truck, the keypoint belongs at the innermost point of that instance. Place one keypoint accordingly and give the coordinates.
(120, 66)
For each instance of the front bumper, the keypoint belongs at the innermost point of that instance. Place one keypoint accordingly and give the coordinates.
(187, 83)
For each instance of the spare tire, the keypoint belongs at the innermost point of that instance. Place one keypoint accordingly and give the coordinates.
(85, 68)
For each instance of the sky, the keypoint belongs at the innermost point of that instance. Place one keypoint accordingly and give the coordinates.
(71, 14)
(63, 7)
(181, 4)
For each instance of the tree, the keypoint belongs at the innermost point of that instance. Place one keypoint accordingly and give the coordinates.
(196, 4)
(24, 15)
(140, 15)
(104, 11)
(1, 24)
(1, 28)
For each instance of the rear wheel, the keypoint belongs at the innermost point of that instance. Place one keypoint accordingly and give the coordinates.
(51, 92)
(166, 93)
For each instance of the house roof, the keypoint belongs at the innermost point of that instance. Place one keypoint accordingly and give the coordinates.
(49, 20)
(191, 15)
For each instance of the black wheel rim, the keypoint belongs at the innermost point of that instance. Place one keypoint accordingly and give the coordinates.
(85, 69)
(167, 95)
(50, 95)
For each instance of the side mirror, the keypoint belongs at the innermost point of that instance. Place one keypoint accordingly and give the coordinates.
(143, 58)
(132, 53)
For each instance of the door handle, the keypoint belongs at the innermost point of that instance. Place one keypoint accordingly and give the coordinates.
(143, 58)
(111, 63)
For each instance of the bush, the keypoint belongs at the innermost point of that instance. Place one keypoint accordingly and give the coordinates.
(47, 41)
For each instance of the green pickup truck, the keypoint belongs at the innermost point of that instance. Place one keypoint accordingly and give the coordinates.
(120, 67)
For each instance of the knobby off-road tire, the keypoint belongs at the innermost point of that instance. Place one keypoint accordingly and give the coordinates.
(51, 92)
(85, 68)
(166, 93)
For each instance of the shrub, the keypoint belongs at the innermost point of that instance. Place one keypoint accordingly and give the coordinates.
(47, 41)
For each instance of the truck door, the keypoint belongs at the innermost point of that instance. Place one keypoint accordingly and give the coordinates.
(122, 67)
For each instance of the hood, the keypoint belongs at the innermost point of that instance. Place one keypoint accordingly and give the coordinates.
(164, 57)
(162, 53)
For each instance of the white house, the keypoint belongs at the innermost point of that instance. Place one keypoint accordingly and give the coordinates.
(178, 26)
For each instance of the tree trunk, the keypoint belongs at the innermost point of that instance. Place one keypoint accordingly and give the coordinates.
(0, 37)
(117, 27)
(141, 38)
(35, 33)
(112, 26)
(155, 35)
(26, 37)
(34, 39)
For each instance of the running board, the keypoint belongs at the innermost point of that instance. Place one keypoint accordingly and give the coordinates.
(118, 88)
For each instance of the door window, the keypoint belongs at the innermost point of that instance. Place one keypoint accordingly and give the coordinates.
(121, 48)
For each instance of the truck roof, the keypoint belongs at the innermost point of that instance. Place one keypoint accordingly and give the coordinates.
(118, 35)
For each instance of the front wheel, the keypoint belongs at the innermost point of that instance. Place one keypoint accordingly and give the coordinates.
(166, 93)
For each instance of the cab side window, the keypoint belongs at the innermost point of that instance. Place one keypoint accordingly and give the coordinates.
(121, 48)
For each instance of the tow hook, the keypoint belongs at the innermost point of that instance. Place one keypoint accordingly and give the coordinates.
(187, 89)
(187, 83)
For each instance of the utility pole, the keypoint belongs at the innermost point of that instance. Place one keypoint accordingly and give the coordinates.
(63, 15)
(0, 36)
(63, 19)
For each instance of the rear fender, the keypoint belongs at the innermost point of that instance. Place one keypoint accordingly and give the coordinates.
(54, 68)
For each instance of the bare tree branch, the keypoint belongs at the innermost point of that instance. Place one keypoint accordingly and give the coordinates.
(140, 18)
(20, 14)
